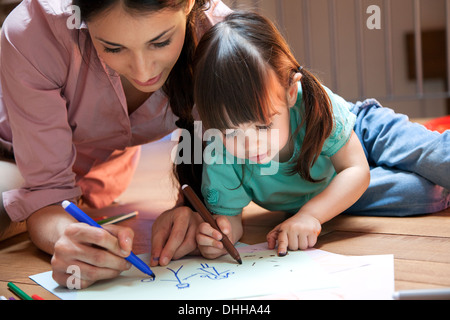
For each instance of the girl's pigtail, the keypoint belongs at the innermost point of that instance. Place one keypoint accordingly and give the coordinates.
(317, 119)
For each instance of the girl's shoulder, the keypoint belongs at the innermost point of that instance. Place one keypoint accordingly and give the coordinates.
(343, 120)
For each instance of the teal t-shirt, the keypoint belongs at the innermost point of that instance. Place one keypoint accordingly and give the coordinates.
(228, 188)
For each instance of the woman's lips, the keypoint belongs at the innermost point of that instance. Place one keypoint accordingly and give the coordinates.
(150, 82)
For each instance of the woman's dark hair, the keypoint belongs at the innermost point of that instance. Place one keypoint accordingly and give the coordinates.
(179, 85)
(232, 86)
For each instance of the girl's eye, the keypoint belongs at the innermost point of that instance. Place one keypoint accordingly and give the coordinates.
(110, 50)
(267, 127)
(162, 44)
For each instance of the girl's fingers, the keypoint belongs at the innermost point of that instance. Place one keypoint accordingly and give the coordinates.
(224, 225)
(302, 242)
(312, 240)
(283, 243)
(207, 230)
(206, 241)
(290, 240)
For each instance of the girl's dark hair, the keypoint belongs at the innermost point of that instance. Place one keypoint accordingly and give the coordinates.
(179, 85)
(232, 66)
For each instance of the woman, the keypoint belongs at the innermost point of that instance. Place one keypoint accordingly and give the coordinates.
(76, 103)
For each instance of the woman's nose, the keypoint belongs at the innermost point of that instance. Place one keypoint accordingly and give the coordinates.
(141, 68)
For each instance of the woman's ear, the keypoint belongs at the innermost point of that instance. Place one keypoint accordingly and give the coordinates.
(293, 90)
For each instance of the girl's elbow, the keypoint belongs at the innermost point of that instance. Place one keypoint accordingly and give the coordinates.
(365, 177)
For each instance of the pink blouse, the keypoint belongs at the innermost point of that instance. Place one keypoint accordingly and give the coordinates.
(64, 112)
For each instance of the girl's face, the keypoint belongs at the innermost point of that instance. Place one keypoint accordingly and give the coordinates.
(141, 48)
(262, 142)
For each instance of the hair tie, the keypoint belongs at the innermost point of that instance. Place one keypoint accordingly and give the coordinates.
(300, 69)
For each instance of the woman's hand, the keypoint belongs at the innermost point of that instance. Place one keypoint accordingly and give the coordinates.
(84, 254)
(93, 253)
(299, 232)
(173, 235)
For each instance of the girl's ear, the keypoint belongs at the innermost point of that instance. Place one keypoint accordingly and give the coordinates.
(293, 90)
(189, 6)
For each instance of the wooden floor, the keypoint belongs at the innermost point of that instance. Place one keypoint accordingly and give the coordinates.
(420, 245)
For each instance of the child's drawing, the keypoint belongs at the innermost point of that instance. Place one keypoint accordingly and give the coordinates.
(180, 284)
(205, 272)
(211, 273)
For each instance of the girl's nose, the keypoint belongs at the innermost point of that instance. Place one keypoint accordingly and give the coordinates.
(252, 141)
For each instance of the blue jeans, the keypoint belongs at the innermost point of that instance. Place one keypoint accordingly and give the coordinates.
(409, 165)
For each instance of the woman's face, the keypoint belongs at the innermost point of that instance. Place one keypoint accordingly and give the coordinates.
(141, 48)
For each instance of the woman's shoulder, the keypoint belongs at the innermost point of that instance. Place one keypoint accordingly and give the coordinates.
(36, 34)
(40, 23)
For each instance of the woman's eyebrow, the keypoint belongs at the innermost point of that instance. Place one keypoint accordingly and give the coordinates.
(150, 41)
(109, 42)
(161, 35)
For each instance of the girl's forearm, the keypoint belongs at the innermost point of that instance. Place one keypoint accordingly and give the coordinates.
(343, 191)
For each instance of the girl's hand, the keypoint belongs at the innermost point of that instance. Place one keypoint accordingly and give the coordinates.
(299, 232)
(87, 254)
(209, 239)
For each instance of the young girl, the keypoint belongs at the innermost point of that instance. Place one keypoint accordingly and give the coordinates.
(247, 80)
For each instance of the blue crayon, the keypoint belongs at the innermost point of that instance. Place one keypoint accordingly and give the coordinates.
(79, 215)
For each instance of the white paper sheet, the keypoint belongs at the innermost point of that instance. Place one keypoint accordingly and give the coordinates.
(262, 273)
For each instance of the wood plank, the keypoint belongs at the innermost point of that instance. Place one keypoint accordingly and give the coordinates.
(437, 224)
(422, 273)
(401, 285)
(22, 259)
(432, 249)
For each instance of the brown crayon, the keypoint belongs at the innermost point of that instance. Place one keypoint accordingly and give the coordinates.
(207, 217)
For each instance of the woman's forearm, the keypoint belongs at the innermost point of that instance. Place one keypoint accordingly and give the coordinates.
(47, 225)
